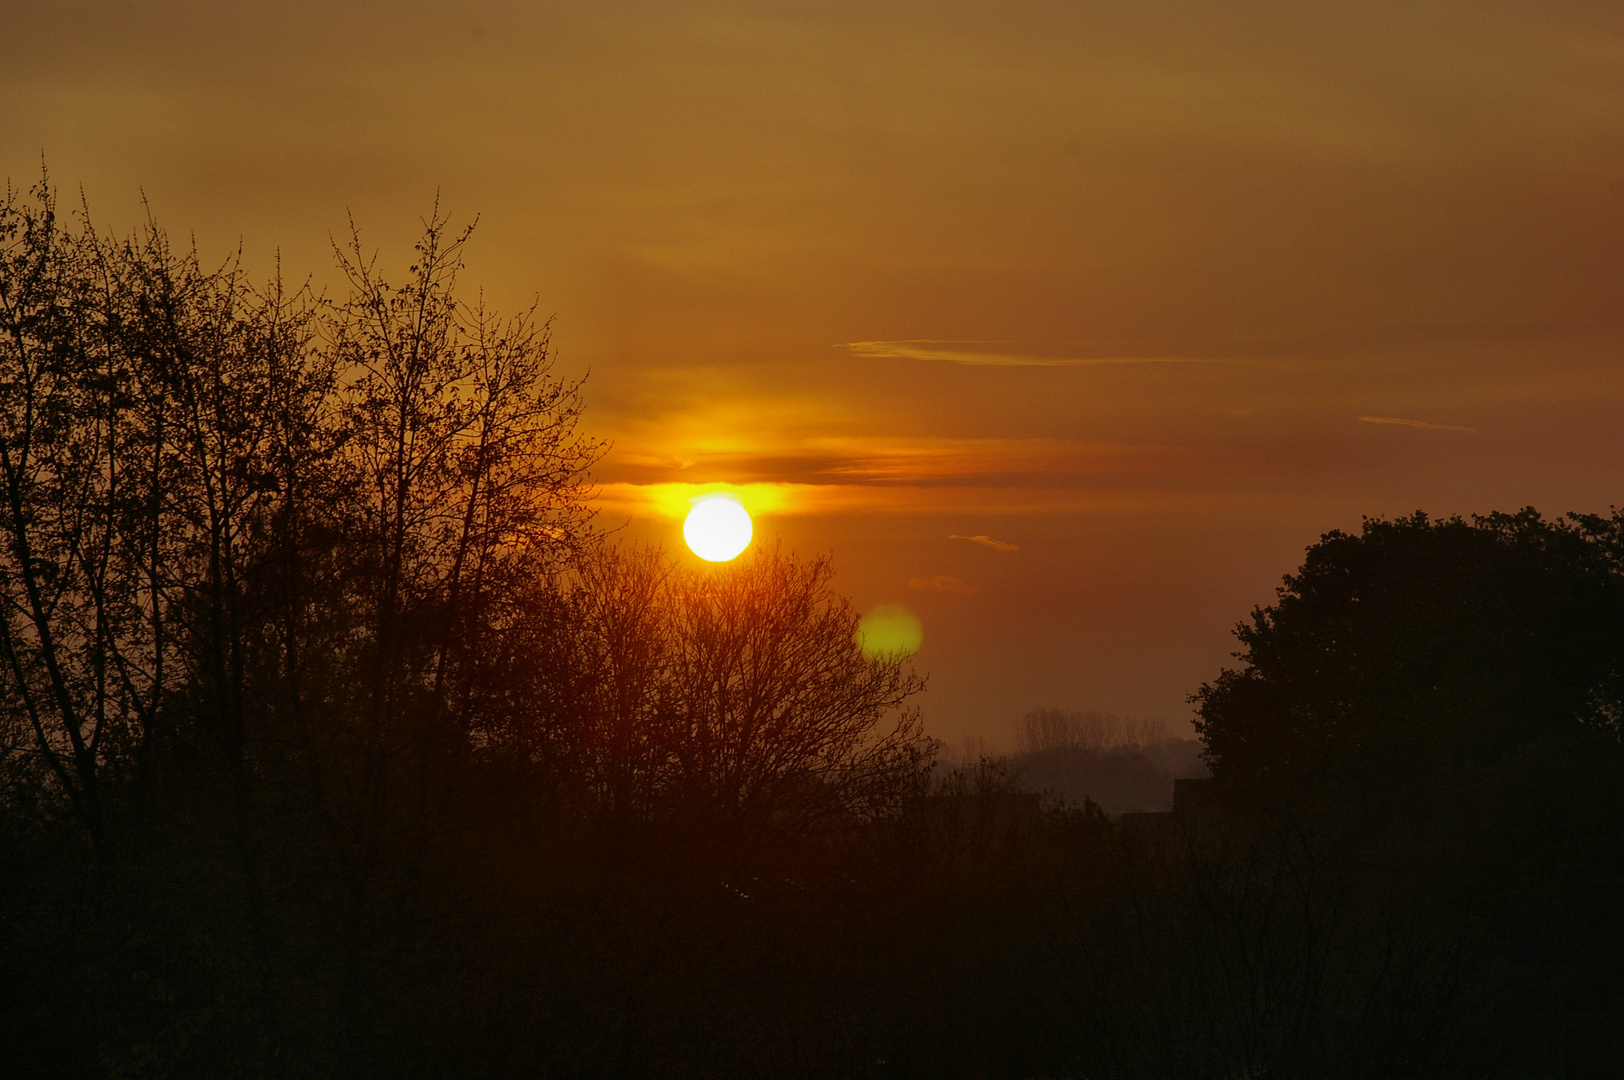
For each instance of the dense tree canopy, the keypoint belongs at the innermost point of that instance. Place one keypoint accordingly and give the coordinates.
(1420, 644)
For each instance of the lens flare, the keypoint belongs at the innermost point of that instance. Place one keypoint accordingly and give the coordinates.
(717, 528)
(889, 632)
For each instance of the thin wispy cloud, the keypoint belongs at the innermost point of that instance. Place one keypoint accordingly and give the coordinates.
(942, 583)
(1427, 424)
(986, 542)
(889, 460)
(998, 354)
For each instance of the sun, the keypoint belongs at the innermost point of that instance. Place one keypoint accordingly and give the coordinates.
(717, 529)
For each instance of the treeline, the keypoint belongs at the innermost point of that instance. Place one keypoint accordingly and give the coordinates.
(337, 742)
(1121, 763)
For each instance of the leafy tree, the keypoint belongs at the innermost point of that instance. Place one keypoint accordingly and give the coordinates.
(1436, 705)
(1419, 644)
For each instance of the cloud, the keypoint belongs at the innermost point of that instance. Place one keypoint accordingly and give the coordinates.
(942, 583)
(775, 458)
(998, 354)
(986, 541)
(669, 502)
(1401, 422)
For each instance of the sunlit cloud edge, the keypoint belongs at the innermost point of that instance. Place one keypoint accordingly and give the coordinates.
(928, 350)
(617, 502)
(1398, 421)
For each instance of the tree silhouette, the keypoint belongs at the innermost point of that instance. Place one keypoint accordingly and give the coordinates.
(734, 696)
(1417, 644)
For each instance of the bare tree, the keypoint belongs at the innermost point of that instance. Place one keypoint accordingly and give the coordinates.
(776, 709)
(1046, 731)
(469, 476)
(735, 695)
(81, 640)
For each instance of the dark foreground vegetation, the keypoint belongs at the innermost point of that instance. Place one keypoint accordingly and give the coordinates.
(335, 743)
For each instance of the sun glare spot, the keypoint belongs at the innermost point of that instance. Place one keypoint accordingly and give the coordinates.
(717, 528)
(889, 632)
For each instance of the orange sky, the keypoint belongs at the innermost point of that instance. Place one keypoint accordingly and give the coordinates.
(1153, 292)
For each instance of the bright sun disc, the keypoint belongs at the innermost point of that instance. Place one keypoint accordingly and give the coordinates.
(717, 529)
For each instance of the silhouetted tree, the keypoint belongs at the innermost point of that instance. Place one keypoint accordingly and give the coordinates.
(1438, 703)
(72, 630)
(270, 556)
(734, 696)
(1417, 644)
